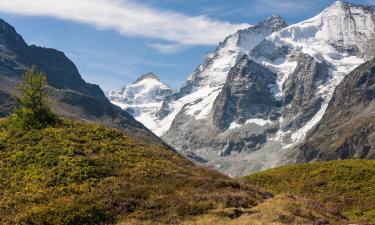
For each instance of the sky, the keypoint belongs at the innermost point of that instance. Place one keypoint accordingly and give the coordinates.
(113, 42)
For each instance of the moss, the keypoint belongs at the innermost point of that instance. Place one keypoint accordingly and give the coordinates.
(76, 173)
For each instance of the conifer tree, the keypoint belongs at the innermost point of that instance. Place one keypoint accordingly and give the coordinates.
(33, 111)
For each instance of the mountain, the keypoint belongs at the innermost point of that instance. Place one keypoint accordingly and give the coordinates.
(202, 87)
(265, 87)
(347, 129)
(73, 98)
(143, 98)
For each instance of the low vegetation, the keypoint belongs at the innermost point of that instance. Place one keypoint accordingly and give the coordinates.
(75, 173)
(342, 188)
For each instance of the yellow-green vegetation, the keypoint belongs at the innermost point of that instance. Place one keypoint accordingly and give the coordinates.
(282, 209)
(75, 173)
(342, 188)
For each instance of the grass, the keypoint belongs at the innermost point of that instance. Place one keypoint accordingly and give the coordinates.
(345, 188)
(282, 209)
(79, 174)
(87, 174)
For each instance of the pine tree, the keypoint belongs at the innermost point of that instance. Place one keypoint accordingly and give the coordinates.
(34, 112)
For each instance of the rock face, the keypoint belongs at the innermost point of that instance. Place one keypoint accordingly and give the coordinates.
(256, 97)
(347, 129)
(74, 98)
(247, 94)
(301, 101)
(143, 98)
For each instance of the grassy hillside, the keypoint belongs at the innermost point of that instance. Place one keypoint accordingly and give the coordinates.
(86, 174)
(344, 188)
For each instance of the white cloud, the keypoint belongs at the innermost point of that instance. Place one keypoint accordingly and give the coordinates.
(130, 19)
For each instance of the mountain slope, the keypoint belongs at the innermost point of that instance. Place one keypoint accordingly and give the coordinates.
(342, 188)
(143, 98)
(347, 129)
(73, 97)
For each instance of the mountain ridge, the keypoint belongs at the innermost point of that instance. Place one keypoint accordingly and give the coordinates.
(73, 97)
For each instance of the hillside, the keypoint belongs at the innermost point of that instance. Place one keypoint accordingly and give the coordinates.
(73, 97)
(343, 188)
(88, 174)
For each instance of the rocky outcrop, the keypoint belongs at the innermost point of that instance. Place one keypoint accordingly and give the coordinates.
(347, 129)
(246, 94)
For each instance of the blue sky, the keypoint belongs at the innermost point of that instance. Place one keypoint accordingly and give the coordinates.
(113, 42)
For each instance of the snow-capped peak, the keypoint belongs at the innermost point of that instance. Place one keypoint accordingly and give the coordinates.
(342, 36)
(217, 64)
(338, 4)
(143, 98)
(342, 27)
(147, 88)
(147, 76)
(271, 24)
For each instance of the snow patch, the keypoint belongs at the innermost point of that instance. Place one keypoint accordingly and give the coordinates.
(259, 122)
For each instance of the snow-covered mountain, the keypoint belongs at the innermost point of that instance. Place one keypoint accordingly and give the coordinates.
(197, 95)
(143, 98)
(328, 46)
(264, 88)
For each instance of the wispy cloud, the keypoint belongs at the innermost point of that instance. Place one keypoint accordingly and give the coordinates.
(129, 18)
(167, 48)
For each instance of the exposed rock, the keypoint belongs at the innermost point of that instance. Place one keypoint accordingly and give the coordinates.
(245, 95)
(347, 129)
(301, 101)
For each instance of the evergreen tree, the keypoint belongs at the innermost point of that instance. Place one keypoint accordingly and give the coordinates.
(34, 112)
